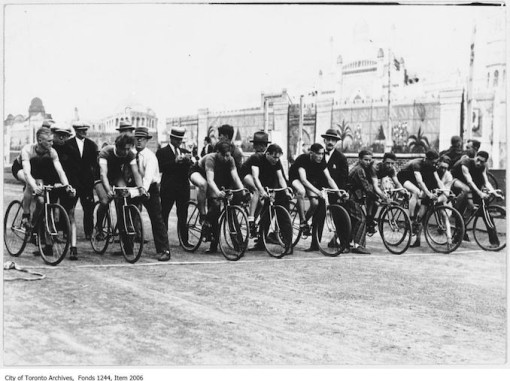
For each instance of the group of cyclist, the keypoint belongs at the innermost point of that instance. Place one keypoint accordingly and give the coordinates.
(359, 189)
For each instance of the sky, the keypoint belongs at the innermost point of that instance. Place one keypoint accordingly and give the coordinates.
(178, 58)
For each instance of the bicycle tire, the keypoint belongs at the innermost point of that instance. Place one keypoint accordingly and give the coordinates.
(100, 245)
(58, 233)
(331, 244)
(277, 236)
(15, 235)
(497, 215)
(193, 227)
(131, 237)
(296, 223)
(234, 232)
(395, 229)
(435, 232)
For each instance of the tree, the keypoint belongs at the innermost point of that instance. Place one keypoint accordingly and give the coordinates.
(418, 143)
(345, 132)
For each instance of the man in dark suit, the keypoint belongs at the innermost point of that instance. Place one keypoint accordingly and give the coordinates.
(337, 162)
(82, 164)
(174, 166)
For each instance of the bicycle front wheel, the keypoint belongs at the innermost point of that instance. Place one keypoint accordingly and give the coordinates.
(296, 223)
(336, 231)
(234, 233)
(277, 236)
(15, 234)
(395, 229)
(54, 234)
(193, 229)
(490, 232)
(444, 229)
(131, 233)
(101, 235)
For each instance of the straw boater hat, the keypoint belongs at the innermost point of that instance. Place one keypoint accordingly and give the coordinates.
(331, 133)
(80, 125)
(60, 130)
(142, 132)
(260, 137)
(177, 132)
(125, 126)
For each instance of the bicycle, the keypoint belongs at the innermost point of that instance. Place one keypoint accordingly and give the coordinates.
(275, 226)
(326, 230)
(130, 232)
(394, 223)
(234, 231)
(443, 225)
(489, 223)
(51, 228)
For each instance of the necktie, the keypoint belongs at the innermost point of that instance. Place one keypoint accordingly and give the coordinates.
(140, 169)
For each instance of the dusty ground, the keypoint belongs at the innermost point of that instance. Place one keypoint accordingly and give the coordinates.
(305, 309)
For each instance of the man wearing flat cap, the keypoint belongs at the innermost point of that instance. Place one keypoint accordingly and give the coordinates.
(149, 170)
(174, 166)
(82, 166)
(260, 141)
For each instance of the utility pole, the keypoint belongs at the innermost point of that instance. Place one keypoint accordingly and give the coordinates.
(300, 131)
(468, 120)
(388, 142)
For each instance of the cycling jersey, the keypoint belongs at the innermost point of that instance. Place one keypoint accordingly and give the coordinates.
(267, 172)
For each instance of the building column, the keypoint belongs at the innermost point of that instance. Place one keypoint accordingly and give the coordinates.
(203, 118)
(323, 117)
(449, 116)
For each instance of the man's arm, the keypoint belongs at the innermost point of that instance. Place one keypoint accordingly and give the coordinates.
(61, 174)
(281, 179)
(237, 180)
(136, 175)
(307, 184)
(150, 169)
(255, 173)
(470, 182)
(209, 174)
(27, 169)
(421, 184)
(330, 180)
(103, 175)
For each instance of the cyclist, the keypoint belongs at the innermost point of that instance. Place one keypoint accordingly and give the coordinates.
(455, 151)
(469, 177)
(225, 134)
(209, 174)
(61, 135)
(363, 185)
(38, 163)
(420, 177)
(259, 171)
(308, 175)
(111, 161)
(379, 173)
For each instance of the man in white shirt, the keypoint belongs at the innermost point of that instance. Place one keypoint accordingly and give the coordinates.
(149, 170)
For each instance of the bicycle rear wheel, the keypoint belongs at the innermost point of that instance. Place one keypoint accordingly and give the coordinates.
(15, 234)
(101, 236)
(395, 229)
(444, 229)
(54, 234)
(336, 231)
(491, 236)
(131, 234)
(277, 236)
(296, 223)
(193, 227)
(234, 233)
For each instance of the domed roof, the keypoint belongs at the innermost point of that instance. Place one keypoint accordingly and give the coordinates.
(36, 107)
(132, 104)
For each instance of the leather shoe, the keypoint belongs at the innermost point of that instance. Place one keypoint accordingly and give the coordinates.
(74, 254)
(360, 250)
(165, 256)
(213, 249)
(312, 248)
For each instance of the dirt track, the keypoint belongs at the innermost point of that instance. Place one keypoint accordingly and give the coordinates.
(306, 309)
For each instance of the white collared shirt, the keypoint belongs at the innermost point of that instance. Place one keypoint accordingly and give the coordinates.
(328, 155)
(148, 167)
(80, 143)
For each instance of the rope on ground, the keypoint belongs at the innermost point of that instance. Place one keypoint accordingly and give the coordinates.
(9, 265)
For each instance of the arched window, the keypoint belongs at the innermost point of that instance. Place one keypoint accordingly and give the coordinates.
(116, 122)
(488, 79)
(496, 78)
(143, 122)
(137, 121)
